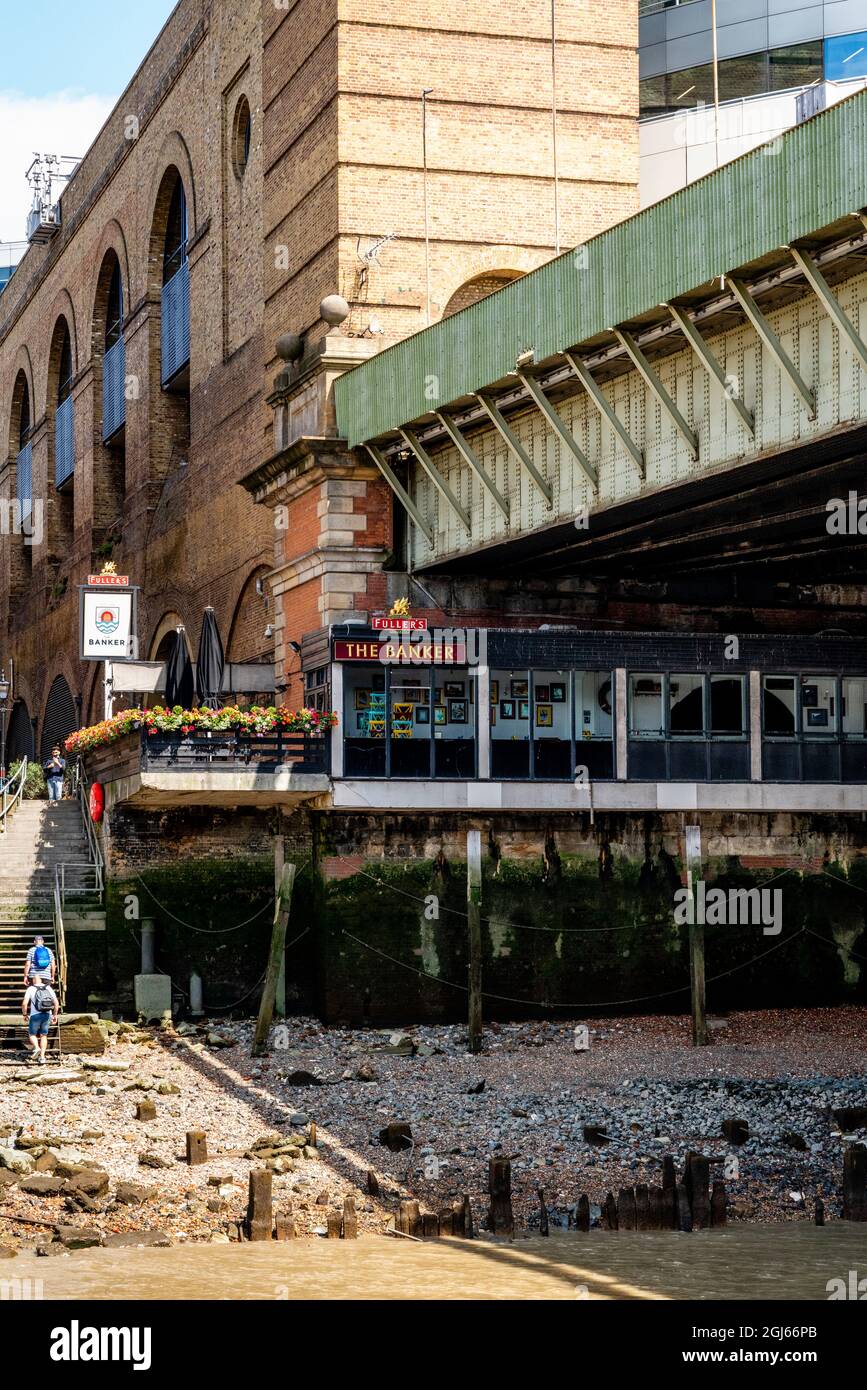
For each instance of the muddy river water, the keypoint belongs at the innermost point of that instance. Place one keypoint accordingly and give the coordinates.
(791, 1261)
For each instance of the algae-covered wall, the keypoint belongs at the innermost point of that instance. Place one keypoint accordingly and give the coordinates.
(577, 915)
(575, 918)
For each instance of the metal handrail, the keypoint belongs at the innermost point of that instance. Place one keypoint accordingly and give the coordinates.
(97, 861)
(59, 933)
(12, 793)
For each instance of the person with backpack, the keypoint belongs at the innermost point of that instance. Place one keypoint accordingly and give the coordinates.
(40, 961)
(40, 1008)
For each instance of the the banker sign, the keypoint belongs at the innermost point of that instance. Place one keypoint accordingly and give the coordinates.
(106, 624)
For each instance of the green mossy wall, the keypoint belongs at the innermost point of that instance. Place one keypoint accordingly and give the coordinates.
(580, 937)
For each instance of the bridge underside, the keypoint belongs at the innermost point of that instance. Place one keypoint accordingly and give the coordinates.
(768, 516)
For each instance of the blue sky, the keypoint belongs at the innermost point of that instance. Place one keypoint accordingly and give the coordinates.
(63, 65)
(91, 46)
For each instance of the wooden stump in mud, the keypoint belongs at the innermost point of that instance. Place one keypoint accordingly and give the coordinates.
(260, 1221)
(855, 1183)
(684, 1215)
(582, 1213)
(626, 1209)
(642, 1204)
(543, 1214)
(334, 1225)
(501, 1221)
(609, 1213)
(718, 1204)
(197, 1147)
(697, 1183)
(669, 1194)
(285, 1227)
(655, 1220)
(350, 1219)
(430, 1225)
(146, 1110)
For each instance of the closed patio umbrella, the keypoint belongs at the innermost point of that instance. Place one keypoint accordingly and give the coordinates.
(210, 663)
(179, 673)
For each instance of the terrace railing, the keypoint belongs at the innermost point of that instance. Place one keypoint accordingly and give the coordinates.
(231, 750)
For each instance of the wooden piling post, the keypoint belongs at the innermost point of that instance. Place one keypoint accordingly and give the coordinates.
(626, 1209)
(684, 1215)
(855, 1183)
(582, 1213)
(146, 1110)
(718, 1203)
(447, 1222)
(372, 1183)
(698, 1187)
(609, 1212)
(642, 1208)
(278, 947)
(655, 1209)
(501, 1221)
(197, 1147)
(543, 1214)
(430, 1225)
(474, 921)
(334, 1225)
(669, 1194)
(819, 1212)
(698, 992)
(260, 1219)
(350, 1219)
(284, 1225)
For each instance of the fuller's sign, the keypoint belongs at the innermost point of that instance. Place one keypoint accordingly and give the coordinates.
(107, 623)
(421, 653)
(399, 624)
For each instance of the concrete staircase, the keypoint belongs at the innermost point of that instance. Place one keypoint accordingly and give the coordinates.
(16, 938)
(40, 835)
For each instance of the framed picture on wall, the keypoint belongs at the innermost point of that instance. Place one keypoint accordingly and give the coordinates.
(507, 709)
(454, 690)
(377, 681)
(439, 696)
(493, 715)
(457, 711)
(558, 692)
(439, 714)
(414, 695)
(544, 716)
(809, 696)
(422, 714)
(543, 693)
(362, 699)
(520, 689)
(495, 692)
(523, 709)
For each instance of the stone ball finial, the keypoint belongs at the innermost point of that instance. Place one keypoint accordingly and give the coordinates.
(334, 309)
(290, 346)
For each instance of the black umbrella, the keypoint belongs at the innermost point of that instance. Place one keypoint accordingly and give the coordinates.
(179, 673)
(210, 663)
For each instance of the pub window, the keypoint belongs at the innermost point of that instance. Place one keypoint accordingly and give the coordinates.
(778, 706)
(317, 689)
(510, 723)
(818, 705)
(645, 706)
(854, 696)
(364, 721)
(686, 704)
(727, 706)
(551, 713)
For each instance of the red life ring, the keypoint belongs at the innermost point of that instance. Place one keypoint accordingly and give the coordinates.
(97, 802)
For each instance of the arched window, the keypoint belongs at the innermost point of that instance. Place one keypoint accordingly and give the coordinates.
(60, 718)
(19, 740)
(64, 450)
(176, 292)
(242, 135)
(114, 356)
(24, 456)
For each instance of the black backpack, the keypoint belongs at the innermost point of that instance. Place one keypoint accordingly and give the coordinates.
(43, 999)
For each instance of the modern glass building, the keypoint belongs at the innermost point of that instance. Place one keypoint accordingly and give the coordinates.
(11, 253)
(763, 46)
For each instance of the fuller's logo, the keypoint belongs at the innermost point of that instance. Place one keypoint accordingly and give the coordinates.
(108, 620)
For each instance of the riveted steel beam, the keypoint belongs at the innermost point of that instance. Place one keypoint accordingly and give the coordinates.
(560, 429)
(772, 343)
(822, 290)
(469, 457)
(600, 400)
(517, 448)
(437, 479)
(641, 365)
(400, 493)
(710, 364)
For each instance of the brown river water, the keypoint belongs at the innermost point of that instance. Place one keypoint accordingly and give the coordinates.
(792, 1261)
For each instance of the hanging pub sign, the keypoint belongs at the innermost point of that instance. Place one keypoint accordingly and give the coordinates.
(400, 619)
(107, 613)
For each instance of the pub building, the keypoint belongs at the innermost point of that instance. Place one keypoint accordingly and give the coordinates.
(557, 704)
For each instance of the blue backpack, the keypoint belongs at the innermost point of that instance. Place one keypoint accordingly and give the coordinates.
(41, 959)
